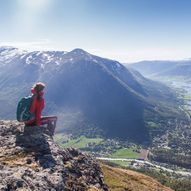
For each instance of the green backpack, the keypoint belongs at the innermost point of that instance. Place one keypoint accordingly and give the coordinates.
(23, 109)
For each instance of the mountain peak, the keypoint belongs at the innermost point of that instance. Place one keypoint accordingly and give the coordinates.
(79, 51)
(3, 48)
(30, 160)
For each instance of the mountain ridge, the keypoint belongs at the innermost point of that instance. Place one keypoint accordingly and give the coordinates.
(85, 89)
(156, 69)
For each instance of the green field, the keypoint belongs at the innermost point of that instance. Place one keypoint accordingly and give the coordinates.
(58, 138)
(79, 143)
(187, 97)
(152, 124)
(120, 163)
(125, 153)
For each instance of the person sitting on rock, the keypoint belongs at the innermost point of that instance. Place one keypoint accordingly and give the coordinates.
(37, 104)
(36, 108)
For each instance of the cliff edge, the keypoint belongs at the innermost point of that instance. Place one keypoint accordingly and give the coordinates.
(30, 160)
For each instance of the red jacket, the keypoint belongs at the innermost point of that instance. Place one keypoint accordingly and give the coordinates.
(36, 107)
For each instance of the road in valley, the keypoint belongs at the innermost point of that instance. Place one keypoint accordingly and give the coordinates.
(148, 163)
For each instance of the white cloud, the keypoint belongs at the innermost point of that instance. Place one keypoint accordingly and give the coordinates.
(42, 44)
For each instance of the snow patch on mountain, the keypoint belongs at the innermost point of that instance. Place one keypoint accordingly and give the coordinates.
(29, 59)
(9, 53)
(43, 58)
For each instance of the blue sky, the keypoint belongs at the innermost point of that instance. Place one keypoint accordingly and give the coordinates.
(125, 30)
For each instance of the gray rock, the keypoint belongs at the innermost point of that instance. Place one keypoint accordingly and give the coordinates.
(30, 160)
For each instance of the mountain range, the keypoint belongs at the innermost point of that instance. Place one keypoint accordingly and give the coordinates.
(86, 92)
(181, 69)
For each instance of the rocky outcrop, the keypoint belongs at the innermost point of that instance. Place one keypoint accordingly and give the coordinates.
(30, 160)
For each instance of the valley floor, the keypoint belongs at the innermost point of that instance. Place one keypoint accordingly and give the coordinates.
(169, 155)
(138, 164)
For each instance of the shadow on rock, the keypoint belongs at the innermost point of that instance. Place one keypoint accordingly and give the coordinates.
(34, 140)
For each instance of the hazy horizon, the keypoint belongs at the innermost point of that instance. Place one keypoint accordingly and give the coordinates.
(125, 30)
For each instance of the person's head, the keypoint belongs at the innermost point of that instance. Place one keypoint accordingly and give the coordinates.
(38, 87)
